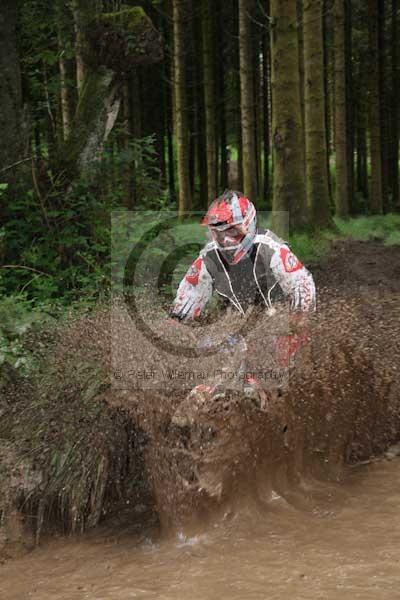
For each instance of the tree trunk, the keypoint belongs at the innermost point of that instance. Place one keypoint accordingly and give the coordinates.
(221, 103)
(383, 103)
(79, 44)
(128, 172)
(209, 96)
(169, 110)
(350, 99)
(342, 178)
(247, 100)
(327, 90)
(194, 88)
(394, 159)
(95, 117)
(181, 117)
(360, 111)
(160, 124)
(362, 152)
(300, 33)
(376, 205)
(266, 118)
(11, 146)
(199, 121)
(66, 108)
(65, 95)
(201, 156)
(102, 91)
(137, 130)
(287, 132)
(170, 149)
(223, 171)
(257, 94)
(314, 114)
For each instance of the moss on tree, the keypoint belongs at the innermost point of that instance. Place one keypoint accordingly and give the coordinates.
(115, 44)
(122, 40)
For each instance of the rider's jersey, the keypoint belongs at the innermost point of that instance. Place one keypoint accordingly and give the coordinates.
(269, 271)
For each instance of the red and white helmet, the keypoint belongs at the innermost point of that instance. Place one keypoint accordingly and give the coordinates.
(231, 220)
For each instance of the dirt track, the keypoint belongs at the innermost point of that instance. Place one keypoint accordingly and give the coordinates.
(360, 267)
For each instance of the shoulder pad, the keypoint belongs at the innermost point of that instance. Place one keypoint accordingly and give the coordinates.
(208, 248)
(269, 239)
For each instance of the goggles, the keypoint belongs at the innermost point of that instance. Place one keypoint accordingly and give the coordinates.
(227, 235)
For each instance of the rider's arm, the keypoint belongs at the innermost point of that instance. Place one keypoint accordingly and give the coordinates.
(295, 280)
(298, 284)
(193, 292)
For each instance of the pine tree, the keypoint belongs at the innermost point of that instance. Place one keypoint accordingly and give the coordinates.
(266, 104)
(10, 94)
(247, 100)
(314, 114)
(395, 98)
(209, 96)
(221, 104)
(376, 204)
(383, 101)
(287, 132)
(350, 98)
(181, 121)
(166, 11)
(79, 43)
(342, 179)
(65, 95)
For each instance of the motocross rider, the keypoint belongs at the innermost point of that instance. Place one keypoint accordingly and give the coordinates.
(245, 266)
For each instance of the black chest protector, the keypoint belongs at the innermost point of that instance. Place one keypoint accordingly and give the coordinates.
(250, 281)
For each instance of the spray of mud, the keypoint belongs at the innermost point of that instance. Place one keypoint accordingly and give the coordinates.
(338, 404)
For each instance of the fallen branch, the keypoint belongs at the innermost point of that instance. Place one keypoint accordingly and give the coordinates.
(39, 195)
(15, 164)
(25, 267)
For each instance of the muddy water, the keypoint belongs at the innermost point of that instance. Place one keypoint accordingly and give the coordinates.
(343, 543)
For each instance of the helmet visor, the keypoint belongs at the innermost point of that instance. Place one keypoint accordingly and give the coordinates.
(227, 236)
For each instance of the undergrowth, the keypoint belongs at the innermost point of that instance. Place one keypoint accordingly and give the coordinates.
(384, 228)
(88, 455)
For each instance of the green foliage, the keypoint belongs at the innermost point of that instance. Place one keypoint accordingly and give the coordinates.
(16, 317)
(57, 250)
(20, 320)
(62, 251)
(310, 248)
(385, 228)
(380, 227)
(139, 160)
(38, 29)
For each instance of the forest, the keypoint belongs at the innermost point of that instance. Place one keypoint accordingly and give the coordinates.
(163, 105)
(115, 116)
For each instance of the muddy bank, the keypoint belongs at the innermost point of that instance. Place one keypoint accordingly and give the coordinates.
(66, 458)
(94, 447)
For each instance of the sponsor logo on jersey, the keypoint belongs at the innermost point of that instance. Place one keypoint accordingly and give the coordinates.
(289, 260)
(192, 276)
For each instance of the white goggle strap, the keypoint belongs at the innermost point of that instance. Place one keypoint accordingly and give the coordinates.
(236, 212)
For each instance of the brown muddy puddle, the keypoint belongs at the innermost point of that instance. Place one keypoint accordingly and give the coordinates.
(344, 544)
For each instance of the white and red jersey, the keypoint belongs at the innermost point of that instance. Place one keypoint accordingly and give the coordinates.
(269, 270)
